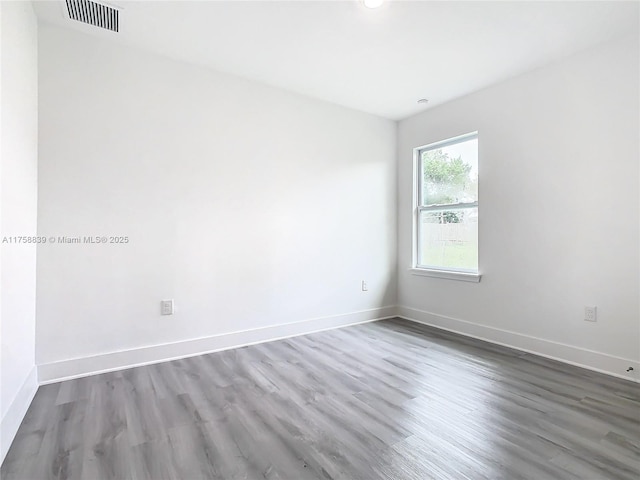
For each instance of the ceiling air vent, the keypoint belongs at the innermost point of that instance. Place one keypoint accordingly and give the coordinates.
(94, 13)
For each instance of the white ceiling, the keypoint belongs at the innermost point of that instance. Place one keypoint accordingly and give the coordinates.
(379, 61)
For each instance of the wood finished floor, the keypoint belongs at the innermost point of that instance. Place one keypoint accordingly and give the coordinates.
(386, 400)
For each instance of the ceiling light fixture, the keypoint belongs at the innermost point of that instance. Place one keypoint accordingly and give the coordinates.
(372, 3)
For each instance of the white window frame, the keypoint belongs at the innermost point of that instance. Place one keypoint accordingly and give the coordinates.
(450, 273)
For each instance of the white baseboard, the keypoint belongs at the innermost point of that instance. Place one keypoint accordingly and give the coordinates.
(580, 357)
(81, 367)
(16, 412)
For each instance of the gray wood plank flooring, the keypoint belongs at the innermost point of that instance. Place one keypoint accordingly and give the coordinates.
(385, 400)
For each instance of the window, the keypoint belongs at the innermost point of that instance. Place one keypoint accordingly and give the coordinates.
(446, 210)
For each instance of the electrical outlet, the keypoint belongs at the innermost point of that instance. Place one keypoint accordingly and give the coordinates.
(590, 314)
(166, 307)
(365, 288)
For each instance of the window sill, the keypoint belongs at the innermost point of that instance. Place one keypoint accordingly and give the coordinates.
(447, 274)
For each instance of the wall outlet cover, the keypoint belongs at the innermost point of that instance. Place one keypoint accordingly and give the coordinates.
(166, 307)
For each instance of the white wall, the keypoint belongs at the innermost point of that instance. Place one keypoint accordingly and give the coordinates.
(559, 211)
(19, 189)
(250, 206)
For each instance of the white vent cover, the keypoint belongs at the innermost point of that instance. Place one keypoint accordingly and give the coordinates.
(94, 13)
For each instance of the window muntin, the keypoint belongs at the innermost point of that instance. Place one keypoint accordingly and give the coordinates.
(446, 214)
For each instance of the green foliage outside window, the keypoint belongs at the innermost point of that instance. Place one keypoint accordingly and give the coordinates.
(447, 180)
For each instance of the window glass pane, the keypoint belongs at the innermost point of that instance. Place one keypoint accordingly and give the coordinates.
(450, 174)
(448, 239)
